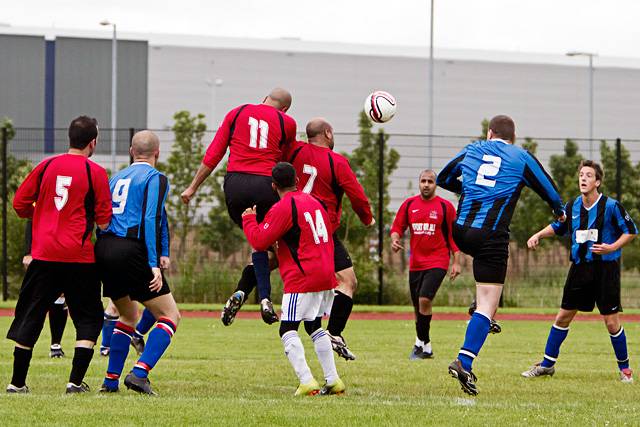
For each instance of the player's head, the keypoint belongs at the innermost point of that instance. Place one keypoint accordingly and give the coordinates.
(502, 127)
(145, 146)
(83, 134)
(279, 98)
(427, 184)
(320, 132)
(283, 176)
(590, 176)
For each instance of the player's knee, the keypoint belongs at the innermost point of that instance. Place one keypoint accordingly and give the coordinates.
(288, 326)
(612, 323)
(424, 306)
(313, 325)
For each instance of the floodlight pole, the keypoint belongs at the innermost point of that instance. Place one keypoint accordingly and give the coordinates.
(590, 55)
(114, 93)
(430, 131)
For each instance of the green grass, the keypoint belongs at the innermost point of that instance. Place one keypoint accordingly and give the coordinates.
(212, 375)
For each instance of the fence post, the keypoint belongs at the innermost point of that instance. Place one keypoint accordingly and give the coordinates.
(131, 132)
(380, 217)
(5, 195)
(619, 169)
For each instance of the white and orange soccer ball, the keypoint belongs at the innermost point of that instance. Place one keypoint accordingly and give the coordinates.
(380, 106)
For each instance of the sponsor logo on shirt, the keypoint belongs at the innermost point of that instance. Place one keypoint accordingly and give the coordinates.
(423, 228)
(433, 215)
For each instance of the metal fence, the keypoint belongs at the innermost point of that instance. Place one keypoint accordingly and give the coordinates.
(533, 280)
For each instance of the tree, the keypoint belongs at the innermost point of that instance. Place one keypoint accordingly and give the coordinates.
(365, 161)
(220, 232)
(564, 169)
(186, 154)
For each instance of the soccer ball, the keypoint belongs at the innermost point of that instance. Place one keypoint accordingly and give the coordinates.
(380, 106)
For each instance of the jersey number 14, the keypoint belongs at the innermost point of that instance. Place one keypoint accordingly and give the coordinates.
(318, 228)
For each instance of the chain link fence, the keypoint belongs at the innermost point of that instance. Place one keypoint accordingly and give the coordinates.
(204, 274)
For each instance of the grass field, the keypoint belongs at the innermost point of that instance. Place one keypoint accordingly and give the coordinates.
(212, 375)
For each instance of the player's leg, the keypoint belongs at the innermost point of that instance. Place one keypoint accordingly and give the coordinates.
(36, 296)
(165, 309)
(292, 311)
(120, 342)
(57, 322)
(557, 335)
(415, 279)
(427, 291)
(143, 326)
(343, 299)
(110, 317)
(82, 290)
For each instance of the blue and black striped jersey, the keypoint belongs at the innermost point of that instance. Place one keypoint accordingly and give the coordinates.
(493, 174)
(138, 194)
(604, 222)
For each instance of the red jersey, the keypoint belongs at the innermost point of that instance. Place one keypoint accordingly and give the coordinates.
(431, 225)
(70, 193)
(305, 246)
(328, 176)
(257, 137)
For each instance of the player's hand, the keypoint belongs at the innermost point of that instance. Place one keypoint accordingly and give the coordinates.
(156, 284)
(165, 262)
(456, 269)
(372, 223)
(26, 260)
(249, 211)
(187, 195)
(562, 218)
(533, 242)
(395, 245)
(602, 248)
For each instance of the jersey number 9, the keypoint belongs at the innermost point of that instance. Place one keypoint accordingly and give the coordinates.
(119, 196)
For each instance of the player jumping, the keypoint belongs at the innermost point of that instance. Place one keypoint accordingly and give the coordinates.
(493, 173)
(257, 137)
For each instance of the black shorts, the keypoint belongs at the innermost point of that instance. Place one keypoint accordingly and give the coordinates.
(593, 283)
(243, 190)
(341, 257)
(489, 249)
(425, 283)
(123, 267)
(43, 283)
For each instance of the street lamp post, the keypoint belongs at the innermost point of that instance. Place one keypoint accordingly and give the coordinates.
(114, 92)
(590, 55)
(430, 142)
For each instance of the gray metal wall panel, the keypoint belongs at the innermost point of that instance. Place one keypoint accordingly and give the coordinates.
(22, 79)
(83, 84)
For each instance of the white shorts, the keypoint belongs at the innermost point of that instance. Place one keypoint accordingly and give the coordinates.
(306, 306)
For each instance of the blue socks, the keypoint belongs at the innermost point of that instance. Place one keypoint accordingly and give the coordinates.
(159, 340)
(146, 322)
(477, 331)
(261, 267)
(107, 329)
(552, 350)
(120, 342)
(619, 343)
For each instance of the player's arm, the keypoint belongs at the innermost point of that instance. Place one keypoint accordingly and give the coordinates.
(625, 225)
(27, 193)
(275, 224)
(102, 206)
(546, 232)
(165, 261)
(28, 238)
(400, 224)
(536, 178)
(349, 182)
(215, 152)
(448, 176)
(157, 190)
(290, 143)
(456, 268)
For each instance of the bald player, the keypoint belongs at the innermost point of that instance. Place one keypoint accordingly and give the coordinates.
(131, 254)
(328, 176)
(258, 136)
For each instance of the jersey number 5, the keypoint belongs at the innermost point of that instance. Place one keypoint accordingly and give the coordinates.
(120, 194)
(62, 190)
(258, 127)
(319, 229)
(491, 168)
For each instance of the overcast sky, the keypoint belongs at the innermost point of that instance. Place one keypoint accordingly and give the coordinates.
(606, 27)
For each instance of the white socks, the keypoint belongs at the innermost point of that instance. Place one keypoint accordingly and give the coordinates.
(295, 353)
(426, 347)
(324, 351)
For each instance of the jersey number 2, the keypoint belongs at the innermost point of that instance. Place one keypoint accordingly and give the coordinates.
(319, 229)
(62, 190)
(261, 128)
(120, 194)
(491, 168)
